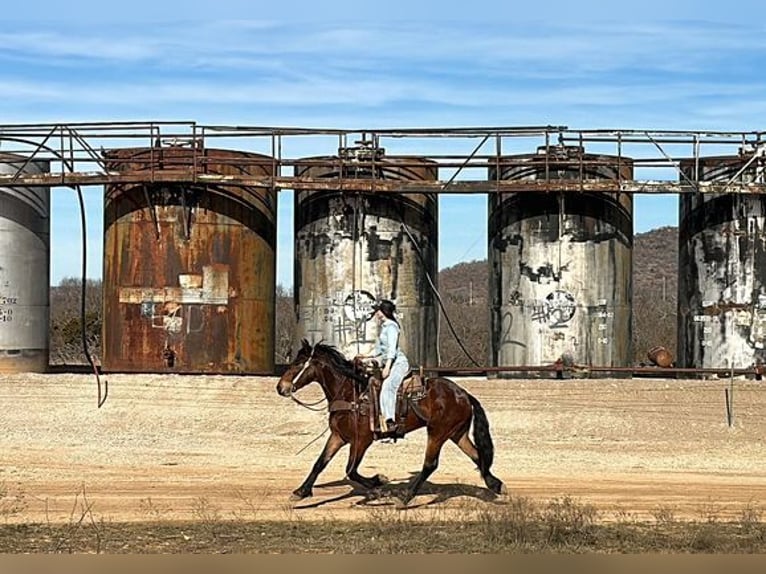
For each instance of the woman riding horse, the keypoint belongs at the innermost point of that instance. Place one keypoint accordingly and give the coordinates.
(446, 410)
(395, 363)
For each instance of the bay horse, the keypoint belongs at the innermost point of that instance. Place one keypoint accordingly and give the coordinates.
(445, 409)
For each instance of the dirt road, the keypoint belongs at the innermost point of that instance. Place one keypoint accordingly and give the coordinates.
(167, 447)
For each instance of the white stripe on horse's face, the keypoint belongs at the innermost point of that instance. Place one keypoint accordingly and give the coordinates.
(287, 387)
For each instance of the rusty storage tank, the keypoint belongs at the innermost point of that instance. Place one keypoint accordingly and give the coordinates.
(722, 267)
(189, 269)
(560, 264)
(353, 248)
(24, 269)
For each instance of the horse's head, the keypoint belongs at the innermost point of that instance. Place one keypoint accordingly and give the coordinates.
(301, 372)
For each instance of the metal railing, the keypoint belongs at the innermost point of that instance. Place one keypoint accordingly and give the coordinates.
(75, 153)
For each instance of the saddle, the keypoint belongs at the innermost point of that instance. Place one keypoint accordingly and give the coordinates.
(412, 389)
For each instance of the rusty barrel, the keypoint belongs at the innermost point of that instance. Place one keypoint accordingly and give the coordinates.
(660, 356)
(189, 268)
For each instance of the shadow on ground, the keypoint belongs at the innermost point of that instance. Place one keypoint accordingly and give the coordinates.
(392, 492)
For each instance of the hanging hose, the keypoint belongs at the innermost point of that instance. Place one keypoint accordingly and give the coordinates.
(436, 292)
(86, 350)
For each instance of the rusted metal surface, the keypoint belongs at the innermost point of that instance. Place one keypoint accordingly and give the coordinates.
(560, 265)
(379, 186)
(722, 267)
(189, 270)
(24, 271)
(660, 356)
(352, 249)
(72, 149)
(585, 371)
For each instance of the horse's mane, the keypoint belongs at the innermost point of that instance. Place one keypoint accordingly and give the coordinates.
(341, 364)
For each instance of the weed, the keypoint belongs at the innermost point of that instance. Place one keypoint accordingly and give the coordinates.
(664, 515)
(12, 502)
(152, 510)
(569, 522)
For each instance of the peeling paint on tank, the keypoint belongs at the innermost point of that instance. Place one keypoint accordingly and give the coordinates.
(560, 267)
(352, 249)
(722, 271)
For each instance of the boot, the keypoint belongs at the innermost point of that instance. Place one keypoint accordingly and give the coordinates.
(387, 428)
(392, 429)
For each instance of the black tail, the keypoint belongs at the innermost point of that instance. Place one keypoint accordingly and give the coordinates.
(481, 436)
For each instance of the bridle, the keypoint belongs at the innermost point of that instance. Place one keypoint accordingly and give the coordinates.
(296, 378)
(311, 406)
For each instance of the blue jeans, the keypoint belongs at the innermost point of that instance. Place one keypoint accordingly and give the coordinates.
(391, 385)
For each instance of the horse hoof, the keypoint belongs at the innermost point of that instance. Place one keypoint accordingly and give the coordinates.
(297, 495)
(402, 502)
(383, 479)
(503, 490)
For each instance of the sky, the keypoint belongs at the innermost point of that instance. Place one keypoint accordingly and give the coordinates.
(690, 66)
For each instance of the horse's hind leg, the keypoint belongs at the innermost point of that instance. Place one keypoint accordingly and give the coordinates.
(430, 463)
(465, 444)
(355, 455)
(332, 446)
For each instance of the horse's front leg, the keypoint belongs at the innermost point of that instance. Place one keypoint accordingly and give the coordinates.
(357, 447)
(332, 446)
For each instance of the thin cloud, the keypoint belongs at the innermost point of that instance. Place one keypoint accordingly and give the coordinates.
(624, 73)
(573, 49)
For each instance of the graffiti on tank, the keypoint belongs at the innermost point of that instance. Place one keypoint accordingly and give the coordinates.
(358, 306)
(506, 322)
(351, 324)
(343, 315)
(173, 308)
(558, 309)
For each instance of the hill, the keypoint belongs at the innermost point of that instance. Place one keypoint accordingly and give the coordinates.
(464, 293)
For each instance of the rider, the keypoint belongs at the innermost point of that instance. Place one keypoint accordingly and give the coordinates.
(395, 363)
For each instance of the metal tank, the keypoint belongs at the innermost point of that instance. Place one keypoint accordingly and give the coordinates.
(722, 267)
(560, 264)
(354, 248)
(189, 269)
(24, 270)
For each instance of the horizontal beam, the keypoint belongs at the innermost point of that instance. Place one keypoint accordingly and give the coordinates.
(187, 177)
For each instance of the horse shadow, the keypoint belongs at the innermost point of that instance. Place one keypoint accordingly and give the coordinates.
(391, 492)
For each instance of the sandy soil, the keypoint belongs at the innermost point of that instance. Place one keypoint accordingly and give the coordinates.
(198, 447)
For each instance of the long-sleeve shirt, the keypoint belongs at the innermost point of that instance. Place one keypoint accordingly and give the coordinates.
(387, 346)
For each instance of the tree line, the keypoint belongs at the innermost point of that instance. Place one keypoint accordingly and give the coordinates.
(464, 292)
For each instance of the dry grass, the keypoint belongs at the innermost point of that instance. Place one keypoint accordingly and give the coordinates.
(517, 526)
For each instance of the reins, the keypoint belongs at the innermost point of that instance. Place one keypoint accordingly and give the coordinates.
(310, 406)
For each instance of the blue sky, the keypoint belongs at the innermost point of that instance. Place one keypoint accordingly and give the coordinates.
(689, 66)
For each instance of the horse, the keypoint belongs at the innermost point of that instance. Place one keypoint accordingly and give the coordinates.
(445, 409)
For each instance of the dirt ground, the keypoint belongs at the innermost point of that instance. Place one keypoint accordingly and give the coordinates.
(169, 447)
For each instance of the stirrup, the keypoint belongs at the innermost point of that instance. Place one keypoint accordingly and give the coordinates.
(392, 430)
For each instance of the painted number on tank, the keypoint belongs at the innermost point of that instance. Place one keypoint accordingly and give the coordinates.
(8, 300)
(6, 315)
